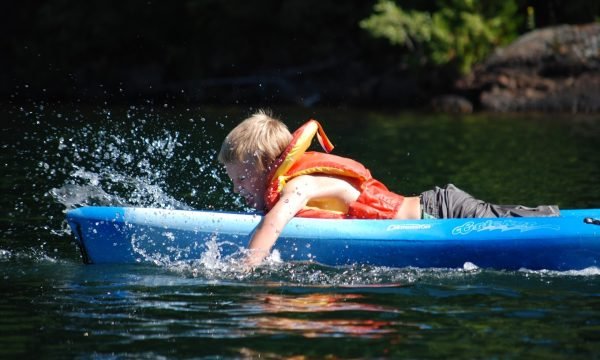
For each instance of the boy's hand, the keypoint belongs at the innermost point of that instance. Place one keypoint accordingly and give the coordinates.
(254, 258)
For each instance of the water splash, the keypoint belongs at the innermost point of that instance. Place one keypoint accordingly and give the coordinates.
(5, 254)
(212, 267)
(32, 254)
(590, 271)
(139, 155)
(142, 155)
(88, 188)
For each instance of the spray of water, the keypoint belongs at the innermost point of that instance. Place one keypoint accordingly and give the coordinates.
(63, 157)
(140, 162)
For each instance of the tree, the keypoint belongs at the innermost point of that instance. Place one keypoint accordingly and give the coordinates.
(459, 33)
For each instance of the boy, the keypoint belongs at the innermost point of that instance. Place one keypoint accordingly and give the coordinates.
(271, 169)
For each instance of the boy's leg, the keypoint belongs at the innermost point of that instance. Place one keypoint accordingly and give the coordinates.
(452, 202)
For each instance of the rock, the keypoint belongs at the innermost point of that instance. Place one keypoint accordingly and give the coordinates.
(552, 69)
(452, 104)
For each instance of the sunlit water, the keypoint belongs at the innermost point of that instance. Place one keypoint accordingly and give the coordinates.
(57, 157)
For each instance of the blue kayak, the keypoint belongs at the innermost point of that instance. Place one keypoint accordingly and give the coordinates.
(138, 235)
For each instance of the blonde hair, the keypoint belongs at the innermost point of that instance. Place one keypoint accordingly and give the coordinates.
(260, 138)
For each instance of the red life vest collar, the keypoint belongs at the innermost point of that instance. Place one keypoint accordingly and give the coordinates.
(301, 140)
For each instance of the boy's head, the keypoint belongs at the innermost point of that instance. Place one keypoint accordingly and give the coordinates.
(259, 139)
(249, 150)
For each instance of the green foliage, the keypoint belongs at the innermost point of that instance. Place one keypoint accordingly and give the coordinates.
(460, 32)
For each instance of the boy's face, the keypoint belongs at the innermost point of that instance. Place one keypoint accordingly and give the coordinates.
(248, 182)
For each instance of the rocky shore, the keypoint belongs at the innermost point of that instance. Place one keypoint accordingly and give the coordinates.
(552, 69)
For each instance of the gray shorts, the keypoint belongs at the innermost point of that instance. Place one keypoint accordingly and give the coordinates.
(452, 202)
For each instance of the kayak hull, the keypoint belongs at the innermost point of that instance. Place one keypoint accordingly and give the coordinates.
(138, 235)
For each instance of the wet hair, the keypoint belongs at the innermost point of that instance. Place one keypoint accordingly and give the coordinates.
(260, 138)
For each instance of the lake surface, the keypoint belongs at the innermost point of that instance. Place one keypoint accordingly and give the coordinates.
(60, 156)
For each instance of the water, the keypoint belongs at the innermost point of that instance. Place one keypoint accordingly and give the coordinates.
(60, 156)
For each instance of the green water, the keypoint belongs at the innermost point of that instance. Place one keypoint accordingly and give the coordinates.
(58, 156)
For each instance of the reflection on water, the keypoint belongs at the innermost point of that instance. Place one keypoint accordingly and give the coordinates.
(315, 302)
(160, 155)
(279, 314)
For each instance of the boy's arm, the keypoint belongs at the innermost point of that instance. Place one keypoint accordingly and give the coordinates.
(293, 198)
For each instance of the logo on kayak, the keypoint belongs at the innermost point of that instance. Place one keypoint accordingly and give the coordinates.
(508, 225)
(408, 227)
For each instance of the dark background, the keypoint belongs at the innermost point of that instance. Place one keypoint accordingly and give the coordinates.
(222, 52)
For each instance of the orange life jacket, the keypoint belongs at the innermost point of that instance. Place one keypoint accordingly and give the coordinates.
(374, 202)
